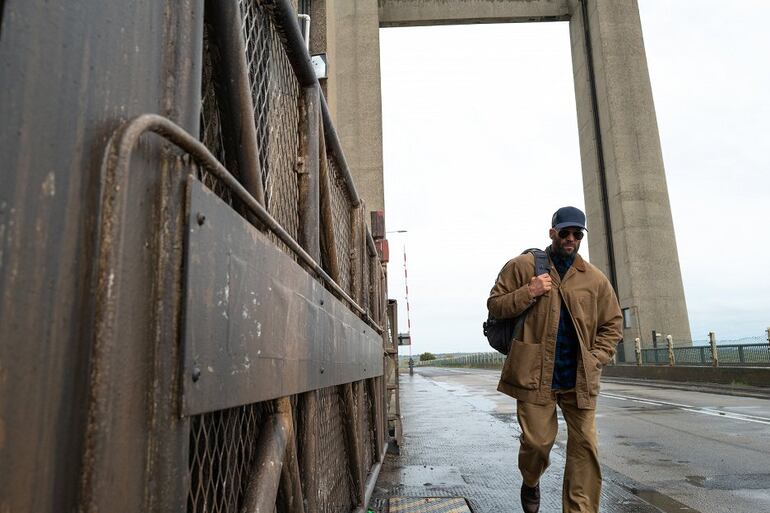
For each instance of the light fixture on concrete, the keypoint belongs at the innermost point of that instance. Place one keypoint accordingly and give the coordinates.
(320, 66)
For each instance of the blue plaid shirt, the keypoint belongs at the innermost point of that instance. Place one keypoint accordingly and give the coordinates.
(565, 359)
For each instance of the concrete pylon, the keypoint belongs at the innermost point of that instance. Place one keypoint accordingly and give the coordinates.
(632, 233)
(348, 32)
(631, 230)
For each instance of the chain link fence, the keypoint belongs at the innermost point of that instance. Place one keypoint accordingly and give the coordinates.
(342, 225)
(335, 481)
(222, 450)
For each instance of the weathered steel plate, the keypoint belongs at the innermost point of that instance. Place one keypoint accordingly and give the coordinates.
(257, 325)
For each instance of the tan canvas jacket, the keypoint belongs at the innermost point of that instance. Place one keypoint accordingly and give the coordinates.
(591, 302)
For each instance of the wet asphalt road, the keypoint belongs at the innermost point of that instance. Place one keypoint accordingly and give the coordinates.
(677, 450)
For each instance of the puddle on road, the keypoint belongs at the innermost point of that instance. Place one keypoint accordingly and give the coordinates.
(431, 476)
(474, 398)
(732, 482)
(663, 502)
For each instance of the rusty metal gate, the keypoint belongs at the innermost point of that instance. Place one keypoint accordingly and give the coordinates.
(229, 334)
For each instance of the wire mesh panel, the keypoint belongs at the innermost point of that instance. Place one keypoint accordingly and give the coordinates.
(692, 355)
(335, 480)
(222, 451)
(755, 354)
(744, 354)
(653, 356)
(367, 428)
(341, 213)
(276, 96)
(222, 444)
(366, 297)
(211, 121)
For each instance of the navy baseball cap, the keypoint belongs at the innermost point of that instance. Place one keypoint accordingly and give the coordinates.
(567, 217)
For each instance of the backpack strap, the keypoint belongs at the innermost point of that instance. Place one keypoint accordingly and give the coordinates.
(542, 265)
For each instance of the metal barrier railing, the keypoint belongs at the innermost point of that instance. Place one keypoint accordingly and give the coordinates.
(728, 354)
(257, 77)
(481, 360)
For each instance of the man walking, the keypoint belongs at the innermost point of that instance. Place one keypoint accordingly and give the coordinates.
(571, 328)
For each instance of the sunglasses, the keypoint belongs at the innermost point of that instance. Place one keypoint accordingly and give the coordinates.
(564, 233)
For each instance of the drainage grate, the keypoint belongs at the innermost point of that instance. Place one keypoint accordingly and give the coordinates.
(428, 505)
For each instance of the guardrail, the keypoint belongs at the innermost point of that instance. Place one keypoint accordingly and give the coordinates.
(750, 355)
(728, 354)
(480, 360)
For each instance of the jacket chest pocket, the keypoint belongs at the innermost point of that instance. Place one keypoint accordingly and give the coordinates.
(584, 307)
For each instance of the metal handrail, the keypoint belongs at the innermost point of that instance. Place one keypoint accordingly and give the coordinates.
(133, 129)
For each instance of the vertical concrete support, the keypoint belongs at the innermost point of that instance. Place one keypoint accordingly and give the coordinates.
(348, 31)
(623, 174)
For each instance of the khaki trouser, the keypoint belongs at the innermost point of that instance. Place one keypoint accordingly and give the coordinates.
(582, 475)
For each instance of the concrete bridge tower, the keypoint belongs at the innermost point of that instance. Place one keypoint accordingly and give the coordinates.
(632, 237)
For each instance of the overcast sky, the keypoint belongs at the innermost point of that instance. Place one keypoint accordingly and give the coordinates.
(481, 146)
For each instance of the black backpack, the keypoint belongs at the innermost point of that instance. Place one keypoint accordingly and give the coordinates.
(500, 332)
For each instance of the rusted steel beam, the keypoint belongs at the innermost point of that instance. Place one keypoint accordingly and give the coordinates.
(356, 252)
(393, 320)
(233, 82)
(358, 391)
(369, 286)
(308, 442)
(309, 216)
(262, 490)
(237, 284)
(384, 411)
(290, 485)
(353, 442)
(310, 223)
(118, 158)
(370, 484)
(335, 148)
(370, 244)
(372, 287)
(376, 414)
(327, 217)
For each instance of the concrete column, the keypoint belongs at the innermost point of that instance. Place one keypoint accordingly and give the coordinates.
(646, 262)
(348, 31)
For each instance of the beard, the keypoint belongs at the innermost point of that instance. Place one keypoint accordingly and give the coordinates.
(559, 249)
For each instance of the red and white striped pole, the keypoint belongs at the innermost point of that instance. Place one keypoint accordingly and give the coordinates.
(406, 294)
(406, 297)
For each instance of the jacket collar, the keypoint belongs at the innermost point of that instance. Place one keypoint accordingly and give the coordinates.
(579, 263)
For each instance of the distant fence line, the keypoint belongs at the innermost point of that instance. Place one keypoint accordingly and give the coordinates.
(757, 355)
(726, 354)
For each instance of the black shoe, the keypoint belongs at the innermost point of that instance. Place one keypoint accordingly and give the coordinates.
(530, 498)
